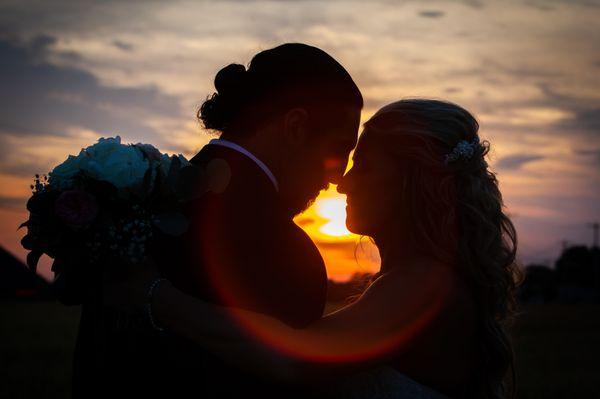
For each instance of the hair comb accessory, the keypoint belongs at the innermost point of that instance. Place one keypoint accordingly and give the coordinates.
(463, 150)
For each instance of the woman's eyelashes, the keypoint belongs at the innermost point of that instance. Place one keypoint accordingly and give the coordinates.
(359, 165)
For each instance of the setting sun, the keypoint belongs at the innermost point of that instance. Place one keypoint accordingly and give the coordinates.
(334, 210)
(343, 251)
(325, 219)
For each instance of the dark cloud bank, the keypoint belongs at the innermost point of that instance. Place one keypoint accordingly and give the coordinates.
(39, 98)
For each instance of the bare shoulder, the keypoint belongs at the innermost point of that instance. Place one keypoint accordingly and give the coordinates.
(423, 273)
(422, 282)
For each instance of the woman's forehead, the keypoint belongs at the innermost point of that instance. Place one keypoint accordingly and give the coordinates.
(366, 141)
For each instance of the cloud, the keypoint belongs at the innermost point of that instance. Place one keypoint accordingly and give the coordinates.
(39, 98)
(123, 45)
(432, 14)
(453, 90)
(340, 245)
(591, 154)
(22, 168)
(540, 6)
(516, 161)
(584, 111)
(584, 119)
(474, 3)
(12, 202)
(304, 221)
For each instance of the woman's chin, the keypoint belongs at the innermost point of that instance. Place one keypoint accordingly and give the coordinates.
(354, 226)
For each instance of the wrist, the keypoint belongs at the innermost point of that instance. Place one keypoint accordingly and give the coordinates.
(150, 304)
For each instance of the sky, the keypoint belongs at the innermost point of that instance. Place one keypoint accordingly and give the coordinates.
(71, 72)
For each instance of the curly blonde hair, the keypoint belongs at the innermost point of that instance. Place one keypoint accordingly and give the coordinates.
(457, 214)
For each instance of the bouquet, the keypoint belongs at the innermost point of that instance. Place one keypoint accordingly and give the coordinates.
(101, 209)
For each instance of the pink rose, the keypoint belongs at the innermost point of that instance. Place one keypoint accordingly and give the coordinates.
(76, 208)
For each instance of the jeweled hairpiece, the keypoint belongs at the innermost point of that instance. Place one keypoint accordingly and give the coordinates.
(463, 150)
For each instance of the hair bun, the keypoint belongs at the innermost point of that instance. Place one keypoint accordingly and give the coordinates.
(218, 110)
(230, 79)
(278, 79)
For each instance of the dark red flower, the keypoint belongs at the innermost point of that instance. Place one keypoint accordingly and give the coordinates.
(76, 208)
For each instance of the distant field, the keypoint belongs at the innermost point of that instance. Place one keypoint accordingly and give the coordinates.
(558, 350)
(36, 343)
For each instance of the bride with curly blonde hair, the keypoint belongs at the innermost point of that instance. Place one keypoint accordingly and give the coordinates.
(439, 309)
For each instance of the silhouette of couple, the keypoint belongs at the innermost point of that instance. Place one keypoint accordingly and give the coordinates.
(234, 307)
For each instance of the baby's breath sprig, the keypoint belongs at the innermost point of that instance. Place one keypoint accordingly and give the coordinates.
(128, 238)
(39, 183)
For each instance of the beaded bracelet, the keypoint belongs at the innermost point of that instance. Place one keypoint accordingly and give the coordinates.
(151, 290)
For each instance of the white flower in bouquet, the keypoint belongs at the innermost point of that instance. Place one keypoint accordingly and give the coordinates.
(183, 160)
(62, 174)
(104, 147)
(165, 162)
(152, 153)
(124, 166)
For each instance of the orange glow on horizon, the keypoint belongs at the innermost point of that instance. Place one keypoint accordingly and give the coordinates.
(325, 219)
(344, 252)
